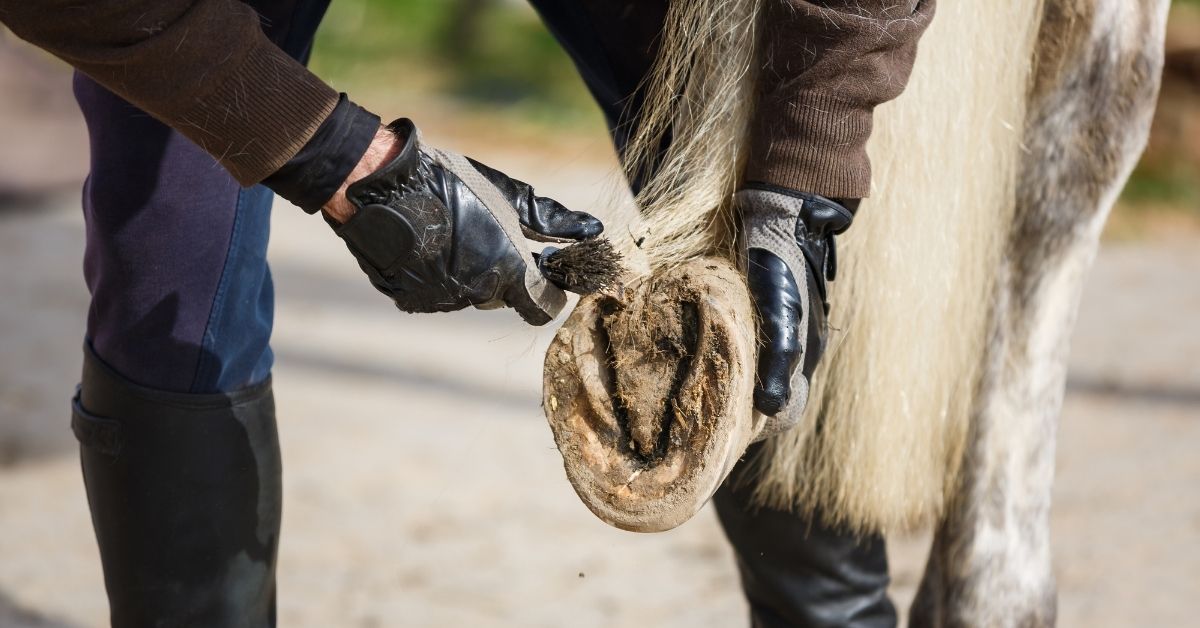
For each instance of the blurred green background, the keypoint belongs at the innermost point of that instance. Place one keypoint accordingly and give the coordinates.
(490, 55)
(1164, 191)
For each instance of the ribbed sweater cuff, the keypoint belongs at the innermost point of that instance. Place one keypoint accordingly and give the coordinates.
(261, 115)
(814, 143)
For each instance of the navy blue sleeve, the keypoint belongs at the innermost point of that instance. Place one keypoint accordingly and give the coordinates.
(312, 177)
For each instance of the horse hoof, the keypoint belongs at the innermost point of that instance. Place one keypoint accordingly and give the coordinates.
(650, 396)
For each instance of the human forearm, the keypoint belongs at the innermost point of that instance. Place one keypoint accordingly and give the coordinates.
(350, 144)
(203, 67)
(830, 64)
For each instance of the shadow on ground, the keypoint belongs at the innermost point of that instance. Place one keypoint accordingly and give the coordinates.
(13, 616)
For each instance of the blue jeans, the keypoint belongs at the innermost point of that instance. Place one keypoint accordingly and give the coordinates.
(176, 250)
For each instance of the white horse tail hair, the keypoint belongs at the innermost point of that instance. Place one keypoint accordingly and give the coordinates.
(883, 437)
(699, 94)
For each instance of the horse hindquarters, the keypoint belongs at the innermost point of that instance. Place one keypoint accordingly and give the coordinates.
(1092, 95)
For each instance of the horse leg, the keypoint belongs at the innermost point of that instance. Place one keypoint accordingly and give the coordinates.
(1092, 96)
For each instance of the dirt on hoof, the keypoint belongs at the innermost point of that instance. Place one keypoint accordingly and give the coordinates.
(651, 343)
(649, 396)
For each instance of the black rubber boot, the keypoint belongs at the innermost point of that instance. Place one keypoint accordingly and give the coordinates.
(799, 573)
(185, 498)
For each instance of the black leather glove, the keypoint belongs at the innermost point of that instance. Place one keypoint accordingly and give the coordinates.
(790, 254)
(438, 232)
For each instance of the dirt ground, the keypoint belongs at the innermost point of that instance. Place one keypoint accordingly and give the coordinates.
(422, 486)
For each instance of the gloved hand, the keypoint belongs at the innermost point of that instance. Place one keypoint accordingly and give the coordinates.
(790, 254)
(438, 232)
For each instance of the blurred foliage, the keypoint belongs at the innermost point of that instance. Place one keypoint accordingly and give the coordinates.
(1158, 186)
(492, 53)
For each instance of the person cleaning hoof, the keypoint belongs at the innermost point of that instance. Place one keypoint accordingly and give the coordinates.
(175, 414)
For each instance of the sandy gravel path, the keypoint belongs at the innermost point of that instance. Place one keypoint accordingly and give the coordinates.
(423, 487)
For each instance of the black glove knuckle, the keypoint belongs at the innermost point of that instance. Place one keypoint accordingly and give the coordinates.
(431, 242)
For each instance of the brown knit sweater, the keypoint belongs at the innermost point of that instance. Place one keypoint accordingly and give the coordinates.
(205, 68)
(829, 63)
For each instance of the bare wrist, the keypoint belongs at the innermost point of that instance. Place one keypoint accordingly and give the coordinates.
(382, 150)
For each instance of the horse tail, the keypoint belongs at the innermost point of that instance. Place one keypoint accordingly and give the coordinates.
(883, 437)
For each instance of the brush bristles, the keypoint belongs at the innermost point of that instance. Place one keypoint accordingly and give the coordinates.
(583, 268)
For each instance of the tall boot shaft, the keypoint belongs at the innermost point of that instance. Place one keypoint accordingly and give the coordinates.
(185, 495)
(798, 571)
